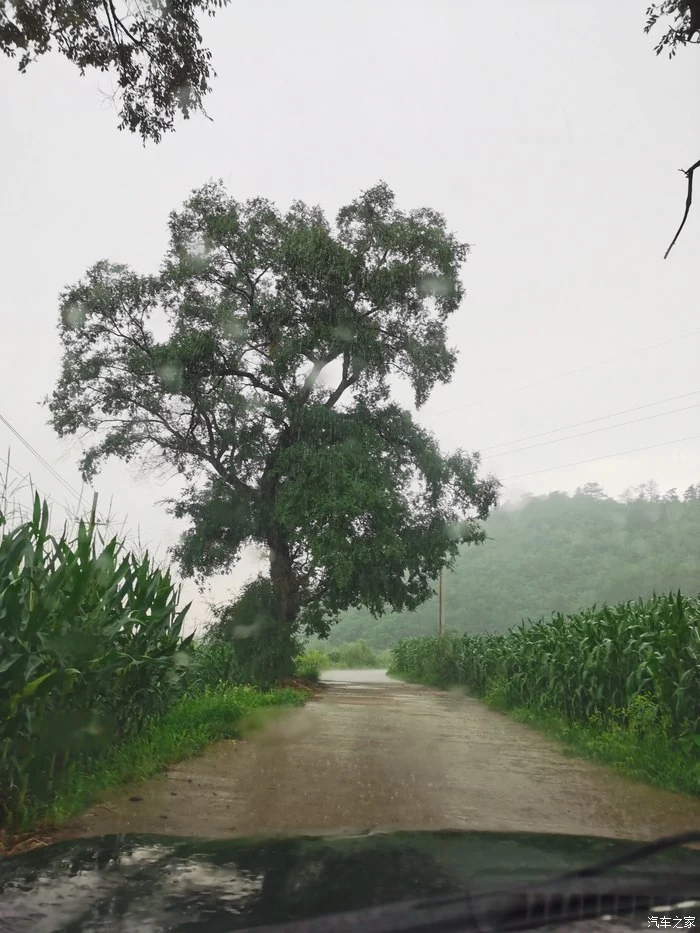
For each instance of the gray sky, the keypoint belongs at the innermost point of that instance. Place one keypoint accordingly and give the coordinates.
(548, 133)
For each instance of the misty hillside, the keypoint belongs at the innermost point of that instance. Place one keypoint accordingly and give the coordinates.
(560, 553)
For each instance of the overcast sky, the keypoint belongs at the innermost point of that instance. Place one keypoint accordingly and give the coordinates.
(548, 133)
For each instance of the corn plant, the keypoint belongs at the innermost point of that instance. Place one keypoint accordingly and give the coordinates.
(91, 647)
(594, 664)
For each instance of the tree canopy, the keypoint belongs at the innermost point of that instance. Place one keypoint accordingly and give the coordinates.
(556, 553)
(354, 501)
(154, 47)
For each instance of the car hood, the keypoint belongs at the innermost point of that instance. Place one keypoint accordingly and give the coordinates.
(153, 884)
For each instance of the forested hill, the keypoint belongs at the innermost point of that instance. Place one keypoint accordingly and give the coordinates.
(557, 552)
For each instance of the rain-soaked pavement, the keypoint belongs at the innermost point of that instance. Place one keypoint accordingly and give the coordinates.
(374, 754)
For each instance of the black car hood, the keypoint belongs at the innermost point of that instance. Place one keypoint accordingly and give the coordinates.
(153, 884)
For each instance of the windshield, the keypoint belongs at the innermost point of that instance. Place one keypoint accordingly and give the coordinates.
(349, 422)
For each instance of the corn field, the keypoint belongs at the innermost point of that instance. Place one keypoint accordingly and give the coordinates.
(592, 665)
(91, 648)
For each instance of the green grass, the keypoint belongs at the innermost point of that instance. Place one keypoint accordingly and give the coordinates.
(185, 730)
(651, 759)
(634, 749)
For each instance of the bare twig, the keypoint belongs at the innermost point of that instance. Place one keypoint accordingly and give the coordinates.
(688, 201)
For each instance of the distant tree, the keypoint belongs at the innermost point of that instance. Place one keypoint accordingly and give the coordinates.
(653, 491)
(557, 553)
(356, 505)
(671, 495)
(154, 47)
(682, 21)
(592, 490)
(649, 491)
(691, 494)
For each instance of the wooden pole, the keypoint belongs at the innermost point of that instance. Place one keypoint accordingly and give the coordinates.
(441, 629)
(93, 513)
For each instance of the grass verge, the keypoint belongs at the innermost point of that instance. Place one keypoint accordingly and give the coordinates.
(193, 723)
(634, 749)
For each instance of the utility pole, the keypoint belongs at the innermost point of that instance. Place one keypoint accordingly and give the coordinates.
(441, 629)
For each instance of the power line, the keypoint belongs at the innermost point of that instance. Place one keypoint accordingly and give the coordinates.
(578, 424)
(571, 372)
(607, 427)
(72, 516)
(621, 453)
(38, 489)
(41, 459)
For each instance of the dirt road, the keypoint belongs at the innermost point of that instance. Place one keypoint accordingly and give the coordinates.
(372, 753)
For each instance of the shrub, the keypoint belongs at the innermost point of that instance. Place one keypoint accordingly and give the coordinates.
(310, 664)
(357, 654)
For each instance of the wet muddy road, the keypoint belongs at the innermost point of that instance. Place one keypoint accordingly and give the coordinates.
(374, 754)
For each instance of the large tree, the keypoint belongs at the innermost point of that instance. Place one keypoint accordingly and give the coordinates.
(353, 500)
(153, 47)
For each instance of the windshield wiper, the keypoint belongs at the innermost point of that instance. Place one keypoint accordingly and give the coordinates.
(636, 855)
(527, 907)
(579, 895)
(586, 892)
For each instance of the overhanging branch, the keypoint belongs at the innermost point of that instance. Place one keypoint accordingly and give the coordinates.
(688, 201)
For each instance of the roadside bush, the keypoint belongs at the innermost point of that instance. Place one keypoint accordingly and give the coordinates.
(210, 664)
(311, 664)
(357, 654)
(264, 652)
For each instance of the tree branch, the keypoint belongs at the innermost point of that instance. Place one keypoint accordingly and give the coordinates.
(121, 25)
(688, 201)
(106, 8)
(226, 370)
(312, 378)
(346, 381)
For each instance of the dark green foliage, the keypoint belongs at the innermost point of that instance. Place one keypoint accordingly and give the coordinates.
(592, 664)
(153, 46)
(261, 650)
(355, 505)
(212, 663)
(556, 553)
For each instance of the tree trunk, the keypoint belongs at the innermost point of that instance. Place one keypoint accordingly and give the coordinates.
(284, 581)
(285, 584)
